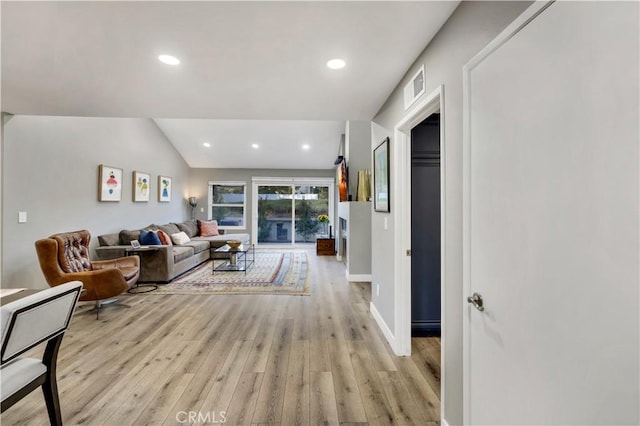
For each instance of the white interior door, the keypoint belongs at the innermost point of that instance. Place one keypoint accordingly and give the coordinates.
(551, 219)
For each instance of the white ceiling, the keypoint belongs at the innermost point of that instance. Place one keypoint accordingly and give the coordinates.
(280, 142)
(240, 61)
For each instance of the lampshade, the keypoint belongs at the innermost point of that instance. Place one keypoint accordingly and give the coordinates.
(193, 201)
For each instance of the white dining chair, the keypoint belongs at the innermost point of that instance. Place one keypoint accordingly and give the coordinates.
(25, 323)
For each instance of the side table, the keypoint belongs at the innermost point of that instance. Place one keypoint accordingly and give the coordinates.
(146, 288)
(325, 246)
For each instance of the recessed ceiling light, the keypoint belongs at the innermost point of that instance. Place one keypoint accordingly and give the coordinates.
(255, 146)
(305, 147)
(336, 64)
(206, 144)
(169, 60)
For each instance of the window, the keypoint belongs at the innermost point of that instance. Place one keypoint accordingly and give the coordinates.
(286, 210)
(227, 204)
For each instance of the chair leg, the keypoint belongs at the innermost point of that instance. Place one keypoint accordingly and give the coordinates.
(50, 390)
(50, 386)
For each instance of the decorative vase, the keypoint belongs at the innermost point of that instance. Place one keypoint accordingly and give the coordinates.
(364, 186)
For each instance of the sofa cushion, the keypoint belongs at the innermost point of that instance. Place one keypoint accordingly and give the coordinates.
(180, 238)
(169, 228)
(208, 228)
(189, 227)
(181, 253)
(165, 239)
(127, 236)
(109, 240)
(198, 246)
(149, 238)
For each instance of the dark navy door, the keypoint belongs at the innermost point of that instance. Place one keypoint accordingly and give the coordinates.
(425, 227)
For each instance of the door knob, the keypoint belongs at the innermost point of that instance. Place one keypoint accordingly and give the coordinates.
(476, 300)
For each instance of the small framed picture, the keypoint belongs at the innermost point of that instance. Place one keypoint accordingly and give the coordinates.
(381, 190)
(109, 183)
(164, 189)
(135, 244)
(141, 184)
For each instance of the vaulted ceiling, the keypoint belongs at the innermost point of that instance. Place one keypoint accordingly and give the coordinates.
(250, 72)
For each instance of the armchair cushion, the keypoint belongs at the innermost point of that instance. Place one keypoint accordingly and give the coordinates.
(73, 251)
(129, 266)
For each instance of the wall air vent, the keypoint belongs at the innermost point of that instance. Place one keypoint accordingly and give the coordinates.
(414, 88)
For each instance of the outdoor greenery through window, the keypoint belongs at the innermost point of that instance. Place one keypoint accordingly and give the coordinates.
(227, 204)
(290, 213)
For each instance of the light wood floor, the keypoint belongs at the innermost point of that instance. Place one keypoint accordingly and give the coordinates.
(262, 360)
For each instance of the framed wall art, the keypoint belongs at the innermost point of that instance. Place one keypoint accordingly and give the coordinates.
(164, 189)
(381, 189)
(109, 183)
(343, 181)
(141, 186)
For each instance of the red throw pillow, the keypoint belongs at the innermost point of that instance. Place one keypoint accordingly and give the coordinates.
(165, 239)
(209, 229)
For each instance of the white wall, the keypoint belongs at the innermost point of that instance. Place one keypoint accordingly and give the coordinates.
(468, 30)
(50, 170)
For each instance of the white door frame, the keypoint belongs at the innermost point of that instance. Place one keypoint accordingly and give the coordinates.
(401, 205)
(518, 24)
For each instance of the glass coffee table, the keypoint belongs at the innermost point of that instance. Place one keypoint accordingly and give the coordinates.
(240, 258)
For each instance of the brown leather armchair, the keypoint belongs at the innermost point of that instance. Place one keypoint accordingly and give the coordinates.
(65, 257)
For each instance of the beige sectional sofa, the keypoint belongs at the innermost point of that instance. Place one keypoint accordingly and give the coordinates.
(167, 262)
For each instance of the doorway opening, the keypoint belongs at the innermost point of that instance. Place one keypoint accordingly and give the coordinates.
(401, 340)
(425, 228)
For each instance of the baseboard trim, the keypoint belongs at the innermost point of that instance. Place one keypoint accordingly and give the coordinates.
(359, 277)
(386, 331)
(423, 328)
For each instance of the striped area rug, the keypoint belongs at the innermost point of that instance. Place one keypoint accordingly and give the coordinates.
(273, 272)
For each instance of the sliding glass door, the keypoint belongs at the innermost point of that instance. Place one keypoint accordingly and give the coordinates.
(274, 214)
(310, 202)
(286, 211)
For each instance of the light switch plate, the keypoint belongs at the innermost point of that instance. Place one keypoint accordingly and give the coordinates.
(22, 217)
(201, 209)
(386, 224)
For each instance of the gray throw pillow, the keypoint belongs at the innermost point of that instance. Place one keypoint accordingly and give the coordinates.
(127, 236)
(169, 228)
(109, 240)
(189, 227)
